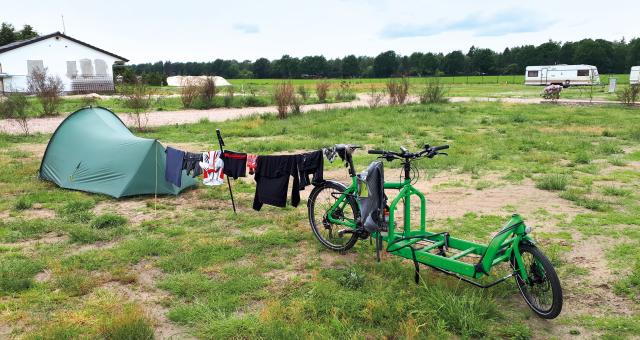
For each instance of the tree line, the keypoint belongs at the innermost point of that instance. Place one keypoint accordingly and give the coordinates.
(608, 56)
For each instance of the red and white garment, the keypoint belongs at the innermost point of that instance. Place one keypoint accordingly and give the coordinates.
(212, 168)
(251, 163)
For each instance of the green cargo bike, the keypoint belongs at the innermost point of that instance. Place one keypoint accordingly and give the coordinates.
(341, 215)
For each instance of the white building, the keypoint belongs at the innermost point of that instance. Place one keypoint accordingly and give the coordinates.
(565, 75)
(634, 75)
(80, 66)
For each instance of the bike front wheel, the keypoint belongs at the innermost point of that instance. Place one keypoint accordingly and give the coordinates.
(542, 291)
(321, 199)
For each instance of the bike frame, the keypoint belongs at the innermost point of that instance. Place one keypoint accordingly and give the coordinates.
(501, 248)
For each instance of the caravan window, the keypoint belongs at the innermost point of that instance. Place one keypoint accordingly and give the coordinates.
(583, 73)
(533, 74)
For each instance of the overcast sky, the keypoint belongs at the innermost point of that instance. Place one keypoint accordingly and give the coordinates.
(186, 30)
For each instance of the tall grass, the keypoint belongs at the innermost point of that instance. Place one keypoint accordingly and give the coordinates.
(553, 182)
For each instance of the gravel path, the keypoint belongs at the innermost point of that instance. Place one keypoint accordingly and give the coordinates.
(159, 118)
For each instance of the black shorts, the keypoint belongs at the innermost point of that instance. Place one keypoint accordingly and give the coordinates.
(235, 164)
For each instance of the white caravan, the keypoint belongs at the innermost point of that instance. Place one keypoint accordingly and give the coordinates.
(564, 75)
(634, 76)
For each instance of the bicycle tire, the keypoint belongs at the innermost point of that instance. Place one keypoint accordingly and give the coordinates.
(332, 189)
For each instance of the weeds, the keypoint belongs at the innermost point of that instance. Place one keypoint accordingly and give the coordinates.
(16, 273)
(630, 94)
(189, 92)
(108, 221)
(553, 182)
(47, 89)
(398, 91)
(283, 96)
(375, 97)
(137, 98)
(322, 90)
(16, 107)
(433, 93)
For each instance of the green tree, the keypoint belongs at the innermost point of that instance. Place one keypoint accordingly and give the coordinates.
(385, 64)
(262, 68)
(350, 66)
(314, 65)
(549, 53)
(483, 60)
(7, 34)
(634, 52)
(27, 32)
(454, 63)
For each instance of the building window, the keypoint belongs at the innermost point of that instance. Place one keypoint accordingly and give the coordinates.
(72, 69)
(583, 73)
(101, 67)
(532, 74)
(86, 67)
(33, 65)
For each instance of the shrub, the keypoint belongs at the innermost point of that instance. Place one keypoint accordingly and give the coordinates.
(296, 105)
(433, 92)
(345, 93)
(398, 91)
(283, 96)
(15, 107)
(375, 97)
(630, 94)
(90, 100)
(47, 89)
(137, 97)
(108, 221)
(189, 91)
(322, 90)
(253, 101)
(23, 203)
(553, 182)
(228, 97)
(303, 92)
(207, 93)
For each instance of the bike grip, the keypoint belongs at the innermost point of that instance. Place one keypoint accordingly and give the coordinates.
(376, 152)
(441, 147)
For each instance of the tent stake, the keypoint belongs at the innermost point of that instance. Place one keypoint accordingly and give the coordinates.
(221, 143)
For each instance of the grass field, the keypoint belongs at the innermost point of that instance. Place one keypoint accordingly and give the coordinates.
(78, 264)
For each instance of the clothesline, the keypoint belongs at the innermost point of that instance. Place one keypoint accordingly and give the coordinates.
(271, 173)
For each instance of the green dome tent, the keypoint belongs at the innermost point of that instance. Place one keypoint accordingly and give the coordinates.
(93, 150)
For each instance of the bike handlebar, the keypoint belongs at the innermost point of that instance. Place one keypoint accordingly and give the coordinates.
(427, 151)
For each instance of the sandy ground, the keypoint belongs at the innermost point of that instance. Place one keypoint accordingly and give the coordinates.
(160, 118)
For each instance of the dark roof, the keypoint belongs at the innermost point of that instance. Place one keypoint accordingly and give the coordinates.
(21, 43)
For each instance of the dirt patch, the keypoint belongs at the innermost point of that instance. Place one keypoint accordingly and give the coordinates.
(150, 299)
(36, 150)
(43, 276)
(41, 213)
(592, 294)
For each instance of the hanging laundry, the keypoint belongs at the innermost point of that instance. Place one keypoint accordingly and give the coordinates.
(212, 168)
(310, 163)
(251, 163)
(235, 164)
(272, 181)
(173, 167)
(191, 163)
(330, 153)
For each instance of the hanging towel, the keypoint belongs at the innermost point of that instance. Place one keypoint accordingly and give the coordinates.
(173, 167)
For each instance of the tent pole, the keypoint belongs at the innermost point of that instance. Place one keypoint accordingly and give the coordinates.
(221, 143)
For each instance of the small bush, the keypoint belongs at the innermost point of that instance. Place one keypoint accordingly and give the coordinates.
(23, 203)
(137, 97)
(345, 92)
(630, 94)
(90, 100)
(303, 92)
(375, 97)
(553, 182)
(228, 97)
(47, 89)
(283, 96)
(189, 91)
(582, 158)
(398, 91)
(253, 101)
(108, 221)
(434, 93)
(322, 90)
(207, 91)
(16, 106)
(296, 105)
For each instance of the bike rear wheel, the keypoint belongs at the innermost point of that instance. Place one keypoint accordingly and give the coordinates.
(321, 199)
(543, 292)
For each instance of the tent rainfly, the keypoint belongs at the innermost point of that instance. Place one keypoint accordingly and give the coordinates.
(93, 150)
